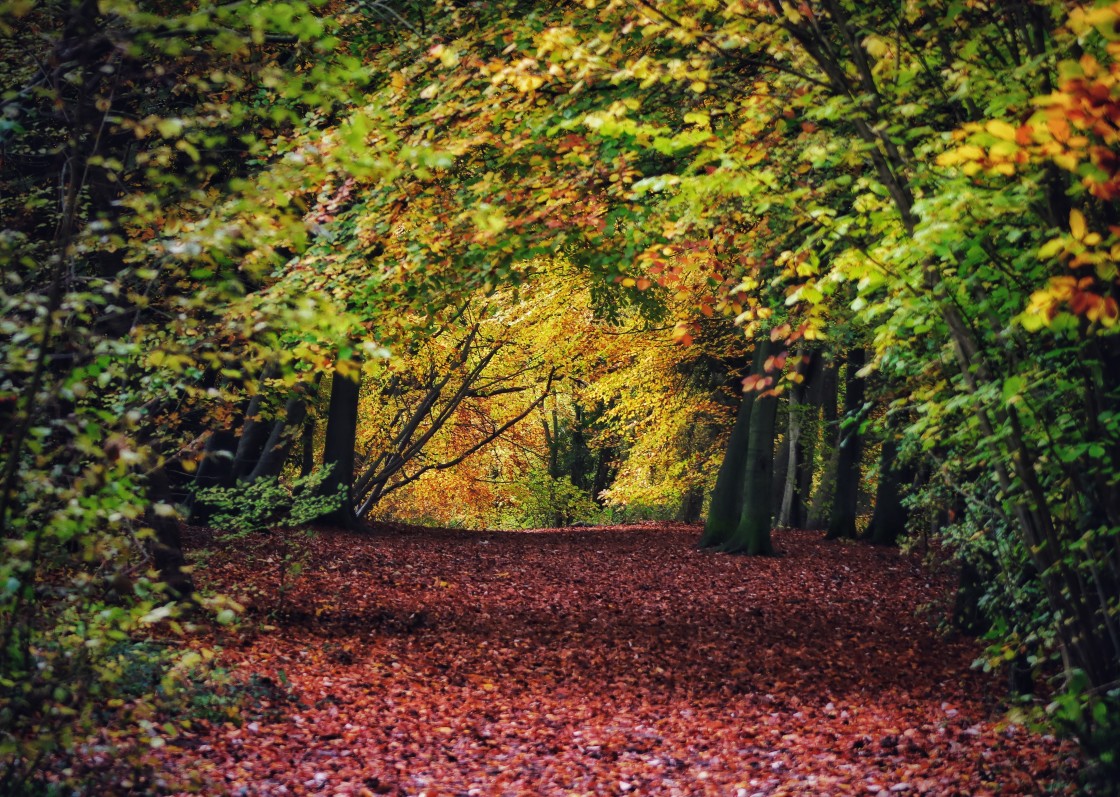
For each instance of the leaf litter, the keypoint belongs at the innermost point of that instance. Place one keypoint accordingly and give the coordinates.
(605, 661)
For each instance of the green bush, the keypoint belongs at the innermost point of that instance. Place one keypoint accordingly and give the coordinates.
(268, 503)
(553, 502)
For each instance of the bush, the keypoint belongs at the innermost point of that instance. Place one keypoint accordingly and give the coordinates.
(553, 502)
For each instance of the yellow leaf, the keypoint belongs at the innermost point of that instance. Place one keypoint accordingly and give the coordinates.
(1000, 129)
(1067, 161)
(1077, 224)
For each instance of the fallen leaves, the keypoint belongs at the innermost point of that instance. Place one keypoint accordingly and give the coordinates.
(610, 661)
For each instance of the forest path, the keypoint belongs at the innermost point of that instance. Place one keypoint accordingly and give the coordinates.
(606, 661)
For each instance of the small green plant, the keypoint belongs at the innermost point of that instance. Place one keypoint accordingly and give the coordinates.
(271, 505)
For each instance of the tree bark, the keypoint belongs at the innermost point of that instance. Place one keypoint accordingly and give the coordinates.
(603, 475)
(339, 445)
(783, 454)
(845, 504)
(214, 470)
(254, 435)
(725, 506)
(821, 505)
(691, 504)
(280, 439)
(889, 517)
(166, 548)
(791, 512)
(752, 534)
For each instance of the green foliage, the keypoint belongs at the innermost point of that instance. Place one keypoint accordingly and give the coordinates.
(553, 501)
(1092, 717)
(89, 686)
(269, 502)
(222, 698)
(129, 326)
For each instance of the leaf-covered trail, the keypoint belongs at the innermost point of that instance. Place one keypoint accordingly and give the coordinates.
(608, 662)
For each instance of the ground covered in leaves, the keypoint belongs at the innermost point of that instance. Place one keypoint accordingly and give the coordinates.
(602, 661)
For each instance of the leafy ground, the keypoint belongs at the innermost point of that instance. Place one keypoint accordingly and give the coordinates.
(607, 661)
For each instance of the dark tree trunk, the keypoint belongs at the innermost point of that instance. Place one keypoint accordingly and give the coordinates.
(809, 431)
(254, 436)
(845, 503)
(791, 501)
(167, 547)
(280, 439)
(967, 617)
(603, 474)
(889, 517)
(726, 502)
(691, 505)
(215, 470)
(307, 446)
(782, 454)
(338, 447)
(581, 465)
(752, 534)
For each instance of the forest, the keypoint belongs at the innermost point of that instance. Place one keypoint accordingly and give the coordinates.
(575, 397)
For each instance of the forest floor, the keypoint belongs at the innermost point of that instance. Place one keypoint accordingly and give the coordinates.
(599, 662)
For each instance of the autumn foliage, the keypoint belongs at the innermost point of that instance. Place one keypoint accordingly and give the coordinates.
(773, 266)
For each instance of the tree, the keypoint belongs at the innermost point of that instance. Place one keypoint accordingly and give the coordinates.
(725, 508)
(890, 515)
(752, 533)
(845, 502)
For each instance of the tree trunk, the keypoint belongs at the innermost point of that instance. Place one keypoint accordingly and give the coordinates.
(691, 504)
(783, 454)
(215, 470)
(279, 443)
(889, 517)
(752, 534)
(791, 512)
(307, 446)
(845, 504)
(581, 463)
(602, 474)
(821, 505)
(254, 436)
(167, 547)
(338, 448)
(726, 502)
